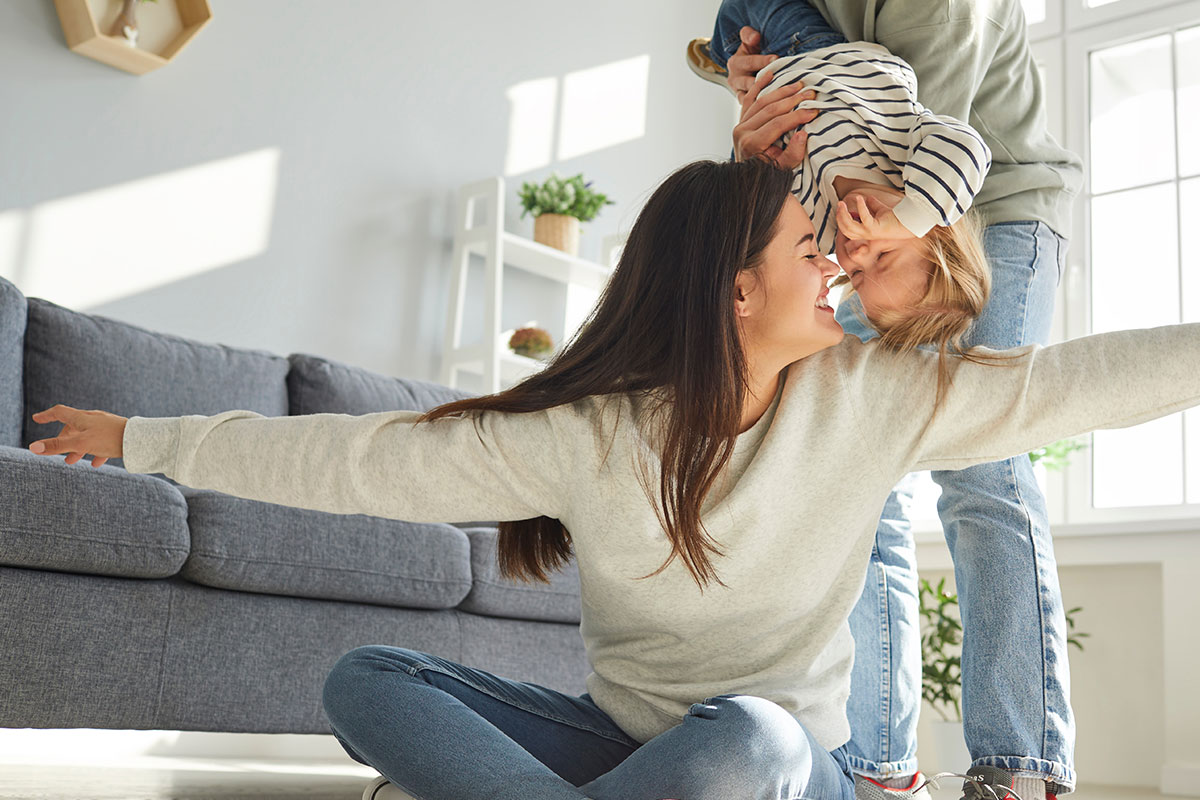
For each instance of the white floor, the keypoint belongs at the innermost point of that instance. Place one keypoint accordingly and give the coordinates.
(159, 778)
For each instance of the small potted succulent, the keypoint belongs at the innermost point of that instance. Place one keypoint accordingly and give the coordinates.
(558, 206)
(531, 342)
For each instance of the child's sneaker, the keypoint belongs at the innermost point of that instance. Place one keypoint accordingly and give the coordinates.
(383, 789)
(867, 789)
(700, 61)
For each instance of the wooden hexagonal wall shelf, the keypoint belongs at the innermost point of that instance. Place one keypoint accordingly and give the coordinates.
(163, 29)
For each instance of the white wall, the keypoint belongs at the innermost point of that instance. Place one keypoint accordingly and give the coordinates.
(355, 123)
(1116, 681)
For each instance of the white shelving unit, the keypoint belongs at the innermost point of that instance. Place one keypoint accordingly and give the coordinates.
(491, 358)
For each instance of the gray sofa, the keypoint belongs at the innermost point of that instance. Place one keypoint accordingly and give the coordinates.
(130, 602)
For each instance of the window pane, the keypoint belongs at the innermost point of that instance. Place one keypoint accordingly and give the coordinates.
(1189, 240)
(1189, 208)
(1192, 425)
(1133, 124)
(1139, 466)
(1135, 269)
(1035, 11)
(1187, 59)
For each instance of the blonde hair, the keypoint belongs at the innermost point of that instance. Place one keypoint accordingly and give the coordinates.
(960, 283)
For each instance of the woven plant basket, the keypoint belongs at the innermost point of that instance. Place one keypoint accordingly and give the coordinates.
(559, 231)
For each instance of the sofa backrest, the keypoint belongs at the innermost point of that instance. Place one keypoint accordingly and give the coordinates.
(320, 386)
(88, 361)
(12, 335)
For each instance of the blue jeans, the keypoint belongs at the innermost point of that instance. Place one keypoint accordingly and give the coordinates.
(788, 27)
(442, 731)
(1016, 681)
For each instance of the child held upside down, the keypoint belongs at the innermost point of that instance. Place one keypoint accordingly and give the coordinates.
(887, 182)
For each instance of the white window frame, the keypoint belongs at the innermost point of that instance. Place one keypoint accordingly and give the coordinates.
(1061, 44)
(1087, 30)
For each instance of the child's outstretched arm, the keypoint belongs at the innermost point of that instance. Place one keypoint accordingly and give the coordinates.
(993, 411)
(501, 466)
(946, 167)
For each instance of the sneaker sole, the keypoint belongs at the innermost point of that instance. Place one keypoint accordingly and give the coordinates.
(704, 67)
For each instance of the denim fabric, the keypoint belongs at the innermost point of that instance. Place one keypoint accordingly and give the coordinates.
(251, 546)
(88, 520)
(88, 361)
(1016, 684)
(12, 344)
(441, 730)
(495, 596)
(788, 28)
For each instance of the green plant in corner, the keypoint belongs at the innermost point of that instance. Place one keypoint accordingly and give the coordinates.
(558, 195)
(941, 653)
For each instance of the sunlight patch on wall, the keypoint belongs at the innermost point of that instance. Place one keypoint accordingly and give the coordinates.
(100, 246)
(600, 107)
(532, 105)
(603, 106)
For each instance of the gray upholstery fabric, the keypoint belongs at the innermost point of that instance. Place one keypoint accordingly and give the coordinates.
(93, 520)
(92, 362)
(320, 386)
(80, 651)
(92, 652)
(491, 595)
(261, 547)
(12, 337)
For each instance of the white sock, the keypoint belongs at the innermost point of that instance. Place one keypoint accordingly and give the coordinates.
(1030, 788)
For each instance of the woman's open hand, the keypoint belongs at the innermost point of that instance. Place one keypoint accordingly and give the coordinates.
(96, 432)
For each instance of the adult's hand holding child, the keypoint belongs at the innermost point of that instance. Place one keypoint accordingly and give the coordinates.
(765, 118)
(97, 432)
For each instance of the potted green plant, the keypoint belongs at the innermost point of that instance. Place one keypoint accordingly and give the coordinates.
(531, 342)
(941, 666)
(558, 206)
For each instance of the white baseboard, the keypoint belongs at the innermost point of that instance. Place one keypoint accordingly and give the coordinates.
(1180, 778)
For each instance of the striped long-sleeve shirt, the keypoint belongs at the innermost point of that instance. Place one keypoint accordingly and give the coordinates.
(872, 128)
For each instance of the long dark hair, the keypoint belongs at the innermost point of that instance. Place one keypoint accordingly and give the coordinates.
(664, 322)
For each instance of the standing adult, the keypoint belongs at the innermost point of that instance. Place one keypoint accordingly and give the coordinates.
(972, 60)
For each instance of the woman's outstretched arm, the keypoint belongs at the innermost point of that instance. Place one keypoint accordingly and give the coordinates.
(1042, 394)
(500, 466)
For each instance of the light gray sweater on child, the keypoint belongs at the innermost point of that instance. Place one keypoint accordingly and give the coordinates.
(795, 513)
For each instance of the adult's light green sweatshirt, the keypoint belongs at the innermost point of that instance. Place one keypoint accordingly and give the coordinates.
(795, 512)
(973, 62)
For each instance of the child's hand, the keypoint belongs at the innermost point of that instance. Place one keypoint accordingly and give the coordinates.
(875, 220)
(96, 432)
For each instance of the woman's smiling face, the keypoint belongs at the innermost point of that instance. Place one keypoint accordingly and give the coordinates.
(785, 308)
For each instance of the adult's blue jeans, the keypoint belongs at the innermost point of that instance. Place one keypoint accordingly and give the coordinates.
(1016, 681)
(443, 731)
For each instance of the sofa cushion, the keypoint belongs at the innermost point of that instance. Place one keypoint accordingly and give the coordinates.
(319, 386)
(493, 596)
(12, 334)
(93, 362)
(252, 546)
(85, 519)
